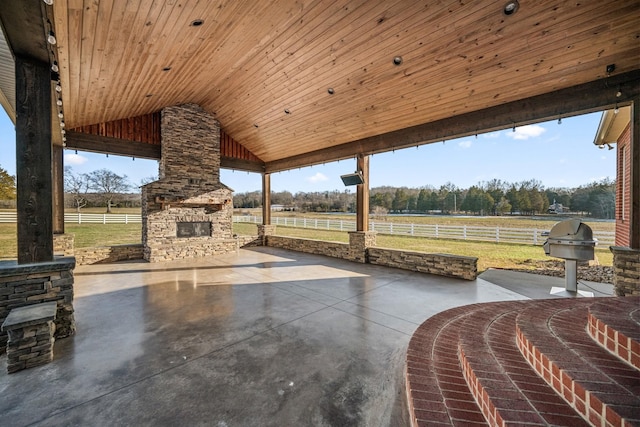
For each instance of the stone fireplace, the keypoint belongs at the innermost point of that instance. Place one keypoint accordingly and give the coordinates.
(188, 212)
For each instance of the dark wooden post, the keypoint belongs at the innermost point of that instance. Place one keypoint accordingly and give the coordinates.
(266, 199)
(634, 224)
(362, 195)
(33, 161)
(58, 189)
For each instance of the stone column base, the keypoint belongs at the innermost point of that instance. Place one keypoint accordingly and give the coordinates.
(359, 241)
(626, 271)
(26, 284)
(264, 231)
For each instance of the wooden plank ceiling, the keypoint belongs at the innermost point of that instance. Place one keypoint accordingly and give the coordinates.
(265, 68)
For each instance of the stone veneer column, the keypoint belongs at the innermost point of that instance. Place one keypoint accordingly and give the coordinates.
(265, 230)
(26, 284)
(359, 241)
(626, 271)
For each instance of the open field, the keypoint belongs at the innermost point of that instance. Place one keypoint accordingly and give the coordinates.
(491, 255)
(86, 235)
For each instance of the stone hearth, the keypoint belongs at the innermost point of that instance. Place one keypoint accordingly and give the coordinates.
(188, 212)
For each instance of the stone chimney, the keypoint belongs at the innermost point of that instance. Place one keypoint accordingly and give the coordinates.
(188, 212)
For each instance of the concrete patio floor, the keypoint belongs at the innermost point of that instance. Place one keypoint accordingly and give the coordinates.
(264, 337)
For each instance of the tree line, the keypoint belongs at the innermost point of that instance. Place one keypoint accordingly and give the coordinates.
(495, 197)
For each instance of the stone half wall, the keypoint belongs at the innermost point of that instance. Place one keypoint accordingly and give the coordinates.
(310, 246)
(460, 267)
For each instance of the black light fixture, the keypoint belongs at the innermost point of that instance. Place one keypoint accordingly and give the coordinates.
(197, 22)
(355, 178)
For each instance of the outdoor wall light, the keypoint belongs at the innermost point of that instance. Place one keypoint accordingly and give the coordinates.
(355, 178)
(51, 37)
(511, 7)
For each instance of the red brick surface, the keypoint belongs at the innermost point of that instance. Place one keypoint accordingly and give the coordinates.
(527, 362)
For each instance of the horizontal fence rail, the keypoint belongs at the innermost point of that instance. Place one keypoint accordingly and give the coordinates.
(531, 236)
(85, 218)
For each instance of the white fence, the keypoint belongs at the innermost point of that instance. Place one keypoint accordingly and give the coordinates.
(531, 236)
(85, 218)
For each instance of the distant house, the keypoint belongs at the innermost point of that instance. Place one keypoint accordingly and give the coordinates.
(615, 128)
(282, 208)
(555, 208)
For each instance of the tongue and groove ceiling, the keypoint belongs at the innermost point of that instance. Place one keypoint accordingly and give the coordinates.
(266, 68)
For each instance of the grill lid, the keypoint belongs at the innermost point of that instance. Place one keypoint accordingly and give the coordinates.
(571, 230)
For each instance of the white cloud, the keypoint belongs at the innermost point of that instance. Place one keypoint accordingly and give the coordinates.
(526, 132)
(465, 144)
(75, 159)
(318, 177)
(491, 135)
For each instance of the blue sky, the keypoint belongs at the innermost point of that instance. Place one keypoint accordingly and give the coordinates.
(558, 155)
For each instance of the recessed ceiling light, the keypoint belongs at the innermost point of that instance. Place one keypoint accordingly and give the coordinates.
(511, 7)
(166, 68)
(397, 60)
(286, 111)
(197, 22)
(331, 91)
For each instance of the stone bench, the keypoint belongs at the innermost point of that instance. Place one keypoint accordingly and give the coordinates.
(30, 331)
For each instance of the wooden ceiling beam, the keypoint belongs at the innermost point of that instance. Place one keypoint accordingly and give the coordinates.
(241, 165)
(23, 24)
(581, 99)
(108, 145)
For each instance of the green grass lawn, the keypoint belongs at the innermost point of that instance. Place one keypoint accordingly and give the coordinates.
(490, 255)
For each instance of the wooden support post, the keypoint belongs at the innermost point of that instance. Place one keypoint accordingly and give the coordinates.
(362, 195)
(634, 216)
(33, 161)
(58, 189)
(266, 199)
